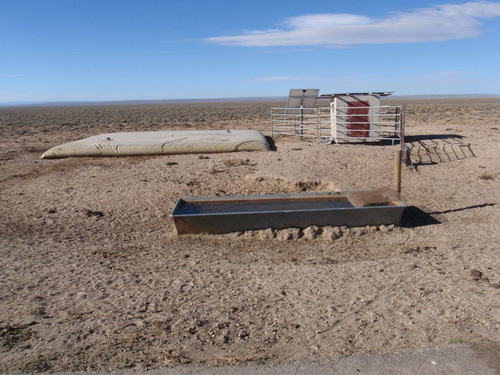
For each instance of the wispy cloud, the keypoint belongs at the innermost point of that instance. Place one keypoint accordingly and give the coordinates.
(438, 23)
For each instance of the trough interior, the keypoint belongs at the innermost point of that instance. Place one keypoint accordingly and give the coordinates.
(204, 207)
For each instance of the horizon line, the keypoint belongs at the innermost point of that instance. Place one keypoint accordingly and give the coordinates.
(77, 103)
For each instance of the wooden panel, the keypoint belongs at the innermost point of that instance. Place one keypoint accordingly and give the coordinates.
(358, 119)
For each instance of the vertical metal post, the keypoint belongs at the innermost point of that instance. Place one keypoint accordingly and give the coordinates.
(333, 121)
(405, 156)
(319, 125)
(301, 122)
(272, 124)
(402, 126)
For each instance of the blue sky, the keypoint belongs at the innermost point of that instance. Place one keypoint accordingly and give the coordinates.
(87, 50)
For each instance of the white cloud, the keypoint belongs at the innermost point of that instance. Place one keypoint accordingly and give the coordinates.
(439, 23)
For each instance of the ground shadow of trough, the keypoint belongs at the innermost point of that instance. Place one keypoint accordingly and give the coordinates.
(414, 217)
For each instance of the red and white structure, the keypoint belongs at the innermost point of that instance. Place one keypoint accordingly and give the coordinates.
(338, 118)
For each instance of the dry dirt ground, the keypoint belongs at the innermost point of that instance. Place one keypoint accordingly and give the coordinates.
(94, 276)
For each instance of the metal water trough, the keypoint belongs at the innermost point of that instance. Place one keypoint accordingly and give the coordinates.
(279, 211)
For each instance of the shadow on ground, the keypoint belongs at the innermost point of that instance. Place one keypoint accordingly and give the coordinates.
(414, 217)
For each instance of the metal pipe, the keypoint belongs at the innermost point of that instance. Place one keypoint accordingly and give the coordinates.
(405, 158)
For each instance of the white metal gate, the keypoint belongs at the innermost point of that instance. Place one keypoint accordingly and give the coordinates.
(336, 124)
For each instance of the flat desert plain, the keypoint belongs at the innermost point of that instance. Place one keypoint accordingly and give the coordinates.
(94, 276)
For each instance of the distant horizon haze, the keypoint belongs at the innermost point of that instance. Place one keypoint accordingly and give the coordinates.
(226, 100)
